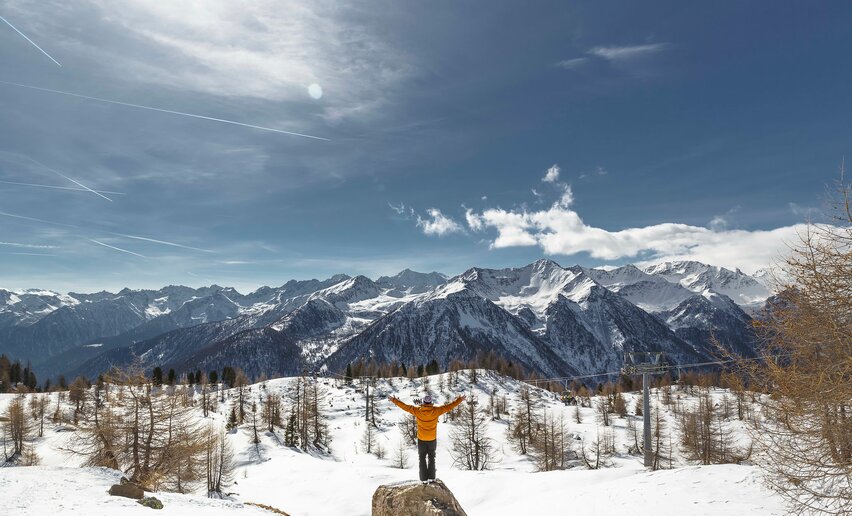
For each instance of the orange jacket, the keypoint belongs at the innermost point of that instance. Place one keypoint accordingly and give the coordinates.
(427, 417)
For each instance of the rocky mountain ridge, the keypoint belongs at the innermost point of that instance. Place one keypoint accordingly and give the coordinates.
(547, 318)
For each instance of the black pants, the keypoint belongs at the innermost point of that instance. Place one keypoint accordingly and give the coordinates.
(426, 450)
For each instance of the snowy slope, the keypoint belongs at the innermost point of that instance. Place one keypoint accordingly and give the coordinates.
(257, 351)
(23, 307)
(342, 482)
(620, 326)
(534, 286)
(705, 320)
(696, 316)
(49, 490)
(457, 326)
(173, 346)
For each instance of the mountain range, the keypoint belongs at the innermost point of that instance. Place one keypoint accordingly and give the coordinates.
(549, 319)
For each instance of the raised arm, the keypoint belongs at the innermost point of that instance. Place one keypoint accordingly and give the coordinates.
(450, 406)
(403, 406)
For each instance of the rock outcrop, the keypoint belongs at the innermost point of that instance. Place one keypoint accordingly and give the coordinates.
(416, 499)
(127, 491)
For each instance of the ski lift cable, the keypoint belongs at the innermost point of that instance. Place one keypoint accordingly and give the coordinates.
(568, 378)
(728, 361)
(674, 366)
(608, 373)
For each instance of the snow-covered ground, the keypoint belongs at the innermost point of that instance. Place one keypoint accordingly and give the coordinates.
(49, 490)
(343, 482)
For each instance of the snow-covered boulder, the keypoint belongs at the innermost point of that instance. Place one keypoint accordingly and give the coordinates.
(416, 499)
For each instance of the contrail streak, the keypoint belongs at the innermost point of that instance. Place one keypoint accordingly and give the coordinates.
(161, 110)
(33, 219)
(117, 248)
(79, 184)
(145, 239)
(28, 246)
(59, 187)
(163, 242)
(68, 178)
(31, 41)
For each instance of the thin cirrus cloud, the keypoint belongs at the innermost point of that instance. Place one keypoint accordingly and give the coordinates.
(400, 209)
(152, 108)
(32, 254)
(571, 64)
(598, 171)
(615, 55)
(626, 53)
(807, 212)
(273, 50)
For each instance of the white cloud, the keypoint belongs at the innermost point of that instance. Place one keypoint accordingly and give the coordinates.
(571, 64)
(748, 250)
(598, 171)
(398, 209)
(806, 212)
(402, 211)
(627, 53)
(559, 230)
(473, 220)
(438, 224)
(567, 198)
(726, 221)
(615, 55)
(552, 174)
(718, 223)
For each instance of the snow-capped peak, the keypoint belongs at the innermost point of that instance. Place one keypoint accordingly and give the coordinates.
(534, 286)
(698, 277)
(350, 290)
(620, 276)
(411, 281)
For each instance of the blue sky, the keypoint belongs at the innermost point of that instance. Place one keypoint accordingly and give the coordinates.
(679, 130)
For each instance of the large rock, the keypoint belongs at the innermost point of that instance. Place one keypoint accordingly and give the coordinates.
(416, 499)
(127, 491)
